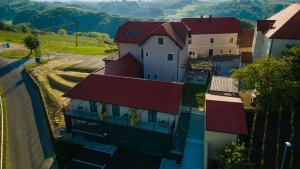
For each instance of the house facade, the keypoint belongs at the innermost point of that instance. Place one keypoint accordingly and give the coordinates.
(161, 47)
(213, 36)
(127, 112)
(274, 34)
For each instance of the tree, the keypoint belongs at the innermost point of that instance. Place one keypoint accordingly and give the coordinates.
(33, 44)
(234, 156)
(272, 78)
(62, 32)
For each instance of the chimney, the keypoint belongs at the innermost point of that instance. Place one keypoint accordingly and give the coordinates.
(201, 16)
(210, 16)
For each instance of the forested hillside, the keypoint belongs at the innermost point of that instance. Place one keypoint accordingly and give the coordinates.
(108, 16)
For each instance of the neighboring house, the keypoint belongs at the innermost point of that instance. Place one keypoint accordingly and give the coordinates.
(274, 34)
(112, 106)
(246, 40)
(213, 36)
(161, 47)
(224, 86)
(225, 121)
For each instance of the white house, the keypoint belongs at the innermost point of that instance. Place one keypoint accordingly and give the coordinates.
(213, 36)
(274, 34)
(161, 47)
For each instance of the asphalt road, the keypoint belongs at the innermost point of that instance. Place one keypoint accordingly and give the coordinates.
(29, 144)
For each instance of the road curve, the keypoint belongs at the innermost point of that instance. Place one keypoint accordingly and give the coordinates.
(29, 144)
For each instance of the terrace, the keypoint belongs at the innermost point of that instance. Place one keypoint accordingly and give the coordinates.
(84, 117)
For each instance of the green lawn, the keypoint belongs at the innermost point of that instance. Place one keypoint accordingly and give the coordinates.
(15, 54)
(62, 44)
(194, 95)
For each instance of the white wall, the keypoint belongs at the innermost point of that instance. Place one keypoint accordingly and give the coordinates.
(157, 64)
(134, 49)
(216, 141)
(201, 44)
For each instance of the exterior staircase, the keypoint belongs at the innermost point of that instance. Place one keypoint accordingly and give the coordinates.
(193, 157)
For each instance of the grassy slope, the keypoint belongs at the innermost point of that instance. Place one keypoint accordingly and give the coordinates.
(5, 129)
(59, 44)
(54, 79)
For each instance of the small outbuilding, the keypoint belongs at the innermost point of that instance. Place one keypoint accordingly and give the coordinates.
(224, 86)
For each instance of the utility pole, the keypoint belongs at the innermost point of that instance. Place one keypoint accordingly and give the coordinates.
(76, 31)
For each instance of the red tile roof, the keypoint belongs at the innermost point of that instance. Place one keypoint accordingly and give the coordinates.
(213, 25)
(130, 92)
(140, 32)
(264, 25)
(287, 23)
(225, 114)
(126, 66)
(246, 38)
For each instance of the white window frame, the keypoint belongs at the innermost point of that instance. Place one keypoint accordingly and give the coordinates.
(163, 41)
(168, 58)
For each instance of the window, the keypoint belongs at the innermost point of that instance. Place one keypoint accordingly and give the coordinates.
(212, 40)
(190, 41)
(170, 57)
(152, 116)
(160, 41)
(116, 110)
(147, 54)
(135, 34)
(155, 76)
(221, 51)
(148, 76)
(127, 34)
(93, 106)
(231, 40)
(192, 53)
(229, 50)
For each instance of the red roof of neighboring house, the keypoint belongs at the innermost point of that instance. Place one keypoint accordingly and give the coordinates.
(287, 23)
(246, 57)
(139, 32)
(246, 38)
(264, 25)
(124, 66)
(213, 25)
(225, 114)
(131, 92)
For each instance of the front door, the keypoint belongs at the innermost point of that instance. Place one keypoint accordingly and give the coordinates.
(211, 52)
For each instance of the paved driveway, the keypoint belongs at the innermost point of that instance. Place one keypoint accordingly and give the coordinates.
(29, 145)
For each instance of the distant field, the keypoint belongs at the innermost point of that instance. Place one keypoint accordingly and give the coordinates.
(62, 44)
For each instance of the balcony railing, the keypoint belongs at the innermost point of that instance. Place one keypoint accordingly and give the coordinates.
(161, 127)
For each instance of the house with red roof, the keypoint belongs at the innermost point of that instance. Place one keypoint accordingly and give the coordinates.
(274, 34)
(116, 106)
(213, 36)
(225, 121)
(160, 47)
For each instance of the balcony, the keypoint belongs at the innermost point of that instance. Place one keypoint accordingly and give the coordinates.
(161, 127)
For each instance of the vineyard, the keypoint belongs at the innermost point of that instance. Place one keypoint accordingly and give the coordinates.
(265, 150)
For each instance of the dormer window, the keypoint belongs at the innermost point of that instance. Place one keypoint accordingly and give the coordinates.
(135, 34)
(127, 34)
(160, 41)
